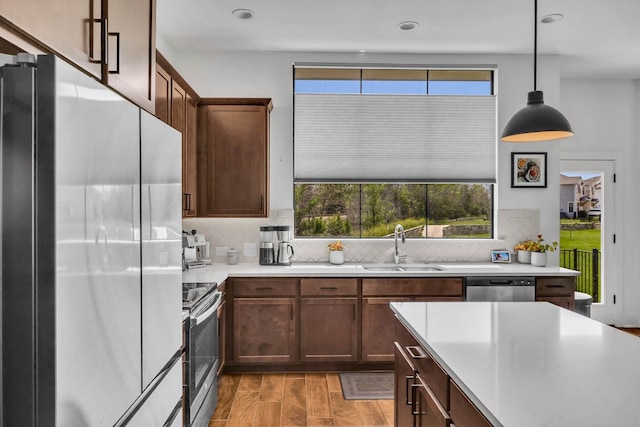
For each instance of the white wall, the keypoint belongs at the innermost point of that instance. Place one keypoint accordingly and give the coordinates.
(604, 115)
(269, 74)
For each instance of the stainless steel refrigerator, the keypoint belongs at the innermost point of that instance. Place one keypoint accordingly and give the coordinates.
(91, 253)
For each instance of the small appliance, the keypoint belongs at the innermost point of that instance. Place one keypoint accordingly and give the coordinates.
(195, 250)
(275, 248)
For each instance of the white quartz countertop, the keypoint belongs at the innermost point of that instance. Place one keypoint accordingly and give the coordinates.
(532, 363)
(220, 272)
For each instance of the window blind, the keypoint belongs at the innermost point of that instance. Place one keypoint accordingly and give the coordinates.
(394, 138)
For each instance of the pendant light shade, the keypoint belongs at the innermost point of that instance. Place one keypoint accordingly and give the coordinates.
(536, 121)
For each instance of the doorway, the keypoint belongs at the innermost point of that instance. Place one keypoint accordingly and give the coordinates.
(587, 208)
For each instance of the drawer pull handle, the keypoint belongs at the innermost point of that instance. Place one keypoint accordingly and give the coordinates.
(264, 289)
(555, 286)
(329, 288)
(406, 390)
(416, 352)
(414, 397)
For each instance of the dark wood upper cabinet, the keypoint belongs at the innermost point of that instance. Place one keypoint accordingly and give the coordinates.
(189, 158)
(178, 108)
(113, 40)
(67, 27)
(130, 45)
(163, 95)
(177, 105)
(233, 157)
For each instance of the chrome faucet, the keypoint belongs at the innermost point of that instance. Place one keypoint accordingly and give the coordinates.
(396, 255)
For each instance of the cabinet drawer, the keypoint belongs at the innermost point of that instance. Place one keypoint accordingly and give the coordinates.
(430, 410)
(328, 287)
(431, 372)
(555, 286)
(564, 302)
(265, 287)
(412, 287)
(463, 412)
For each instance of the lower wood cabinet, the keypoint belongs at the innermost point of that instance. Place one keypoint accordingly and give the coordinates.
(427, 409)
(377, 328)
(405, 375)
(425, 395)
(557, 290)
(329, 320)
(329, 329)
(264, 330)
(377, 317)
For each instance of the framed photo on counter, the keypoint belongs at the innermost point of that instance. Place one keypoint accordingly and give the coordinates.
(502, 255)
(529, 170)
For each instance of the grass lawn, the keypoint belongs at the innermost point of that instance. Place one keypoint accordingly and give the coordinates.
(584, 240)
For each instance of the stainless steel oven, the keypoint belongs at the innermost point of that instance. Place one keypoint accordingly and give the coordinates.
(202, 358)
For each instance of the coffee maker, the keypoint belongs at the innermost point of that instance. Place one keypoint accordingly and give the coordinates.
(275, 248)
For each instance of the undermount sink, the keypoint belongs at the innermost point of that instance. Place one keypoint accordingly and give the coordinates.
(403, 268)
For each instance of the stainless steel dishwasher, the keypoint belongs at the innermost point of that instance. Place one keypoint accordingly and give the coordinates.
(499, 289)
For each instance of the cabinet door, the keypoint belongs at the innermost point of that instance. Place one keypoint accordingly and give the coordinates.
(427, 408)
(329, 329)
(63, 25)
(404, 380)
(235, 169)
(178, 108)
(189, 158)
(378, 329)
(131, 49)
(264, 330)
(463, 411)
(163, 95)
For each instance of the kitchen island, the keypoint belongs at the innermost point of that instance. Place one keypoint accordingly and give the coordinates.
(524, 363)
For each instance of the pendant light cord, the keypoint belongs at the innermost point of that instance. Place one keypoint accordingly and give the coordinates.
(535, 45)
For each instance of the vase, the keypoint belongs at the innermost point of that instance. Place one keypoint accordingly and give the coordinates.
(539, 259)
(524, 257)
(336, 257)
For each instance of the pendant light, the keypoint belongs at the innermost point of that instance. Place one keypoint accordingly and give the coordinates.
(536, 121)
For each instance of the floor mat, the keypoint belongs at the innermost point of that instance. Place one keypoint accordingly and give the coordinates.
(367, 385)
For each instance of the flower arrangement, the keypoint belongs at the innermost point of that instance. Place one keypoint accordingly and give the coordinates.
(541, 246)
(336, 246)
(525, 245)
(536, 245)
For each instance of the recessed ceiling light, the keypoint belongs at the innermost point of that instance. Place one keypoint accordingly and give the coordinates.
(243, 13)
(554, 17)
(407, 25)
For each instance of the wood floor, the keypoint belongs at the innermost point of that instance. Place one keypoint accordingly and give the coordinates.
(633, 331)
(296, 400)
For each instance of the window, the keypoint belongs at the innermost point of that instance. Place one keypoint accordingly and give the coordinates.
(391, 153)
(373, 210)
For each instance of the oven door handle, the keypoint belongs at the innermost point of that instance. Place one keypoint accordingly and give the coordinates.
(215, 304)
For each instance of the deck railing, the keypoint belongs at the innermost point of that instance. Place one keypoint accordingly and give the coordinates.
(588, 263)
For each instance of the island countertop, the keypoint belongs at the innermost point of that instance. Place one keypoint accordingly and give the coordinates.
(531, 363)
(220, 272)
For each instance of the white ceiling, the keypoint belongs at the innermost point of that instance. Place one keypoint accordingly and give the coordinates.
(596, 38)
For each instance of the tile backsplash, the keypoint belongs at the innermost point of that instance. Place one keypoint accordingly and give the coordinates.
(513, 225)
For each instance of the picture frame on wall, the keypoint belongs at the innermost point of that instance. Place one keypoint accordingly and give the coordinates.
(529, 170)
